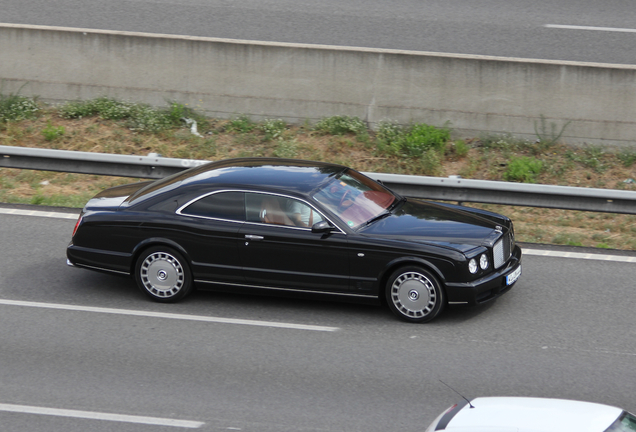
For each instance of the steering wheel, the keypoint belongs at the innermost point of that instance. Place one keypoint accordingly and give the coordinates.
(344, 198)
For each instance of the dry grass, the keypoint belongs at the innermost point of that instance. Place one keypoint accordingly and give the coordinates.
(485, 158)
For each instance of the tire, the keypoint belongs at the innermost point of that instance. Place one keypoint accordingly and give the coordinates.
(414, 294)
(163, 274)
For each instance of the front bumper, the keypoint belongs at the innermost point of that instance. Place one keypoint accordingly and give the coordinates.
(487, 288)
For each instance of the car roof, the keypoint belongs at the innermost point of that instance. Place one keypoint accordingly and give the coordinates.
(533, 415)
(291, 175)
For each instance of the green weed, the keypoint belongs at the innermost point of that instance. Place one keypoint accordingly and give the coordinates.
(286, 149)
(341, 125)
(431, 162)
(547, 138)
(51, 133)
(503, 142)
(273, 129)
(137, 117)
(592, 157)
(523, 169)
(413, 141)
(627, 156)
(241, 124)
(458, 149)
(14, 107)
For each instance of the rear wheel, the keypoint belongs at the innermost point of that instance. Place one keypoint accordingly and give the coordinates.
(163, 274)
(414, 294)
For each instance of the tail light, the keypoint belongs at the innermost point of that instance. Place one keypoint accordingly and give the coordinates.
(77, 224)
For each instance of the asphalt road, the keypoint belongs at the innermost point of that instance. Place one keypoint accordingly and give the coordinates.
(594, 31)
(565, 330)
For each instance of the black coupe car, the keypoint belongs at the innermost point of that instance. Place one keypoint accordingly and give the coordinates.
(296, 226)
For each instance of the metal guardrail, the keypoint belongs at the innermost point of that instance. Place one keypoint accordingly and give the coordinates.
(437, 188)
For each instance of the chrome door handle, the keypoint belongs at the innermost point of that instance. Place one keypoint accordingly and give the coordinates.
(253, 237)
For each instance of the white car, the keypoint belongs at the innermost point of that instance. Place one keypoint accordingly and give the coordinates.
(522, 414)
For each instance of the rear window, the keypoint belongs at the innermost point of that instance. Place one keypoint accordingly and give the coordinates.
(221, 205)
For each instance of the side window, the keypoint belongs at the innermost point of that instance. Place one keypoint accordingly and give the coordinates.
(222, 205)
(301, 214)
(277, 210)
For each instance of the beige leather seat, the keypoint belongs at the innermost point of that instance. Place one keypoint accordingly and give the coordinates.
(272, 213)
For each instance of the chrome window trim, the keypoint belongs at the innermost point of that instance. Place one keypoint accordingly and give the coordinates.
(180, 212)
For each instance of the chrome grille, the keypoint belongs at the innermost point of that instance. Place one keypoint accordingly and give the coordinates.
(502, 250)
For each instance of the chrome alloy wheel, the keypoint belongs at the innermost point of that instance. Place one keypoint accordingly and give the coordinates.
(413, 294)
(162, 275)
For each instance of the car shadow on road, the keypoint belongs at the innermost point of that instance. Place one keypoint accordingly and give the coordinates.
(79, 286)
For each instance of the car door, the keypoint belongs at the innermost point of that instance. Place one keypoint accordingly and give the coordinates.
(279, 250)
(211, 235)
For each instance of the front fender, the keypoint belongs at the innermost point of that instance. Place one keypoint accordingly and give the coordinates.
(411, 260)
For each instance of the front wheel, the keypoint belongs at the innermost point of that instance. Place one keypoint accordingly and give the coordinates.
(163, 274)
(414, 294)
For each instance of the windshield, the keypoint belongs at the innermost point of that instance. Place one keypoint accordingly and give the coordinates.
(355, 199)
(626, 422)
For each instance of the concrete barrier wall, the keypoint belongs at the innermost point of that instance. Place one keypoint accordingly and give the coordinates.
(223, 78)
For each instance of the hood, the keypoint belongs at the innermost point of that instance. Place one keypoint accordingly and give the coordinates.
(425, 222)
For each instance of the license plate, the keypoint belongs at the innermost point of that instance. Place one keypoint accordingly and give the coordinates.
(512, 277)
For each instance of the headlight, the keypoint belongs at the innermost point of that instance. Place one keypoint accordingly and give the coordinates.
(472, 266)
(483, 261)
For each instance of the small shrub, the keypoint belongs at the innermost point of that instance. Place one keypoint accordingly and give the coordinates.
(523, 169)
(138, 117)
(15, 108)
(110, 109)
(341, 125)
(146, 119)
(273, 129)
(37, 200)
(76, 110)
(592, 157)
(431, 162)
(458, 149)
(388, 132)
(177, 113)
(106, 108)
(387, 136)
(286, 149)
(627, 156)
(421, 138)
(51, 133)
(503, 142)
(413, 141)
(241, 124)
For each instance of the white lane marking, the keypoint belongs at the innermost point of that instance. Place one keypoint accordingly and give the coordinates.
(574, 27)
(183, 317)
(578, 255)
(91, 415)
(56, 215)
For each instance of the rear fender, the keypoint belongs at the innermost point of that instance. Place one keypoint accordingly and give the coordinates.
(156, 241)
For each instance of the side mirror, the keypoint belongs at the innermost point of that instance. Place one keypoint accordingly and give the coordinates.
(321, 227)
